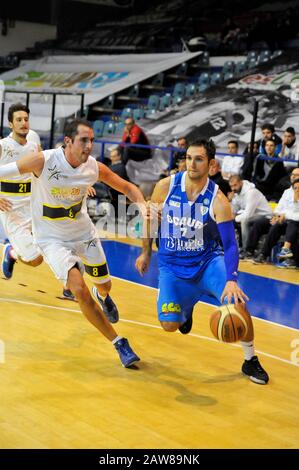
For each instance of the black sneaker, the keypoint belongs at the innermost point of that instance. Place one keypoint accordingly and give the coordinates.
(254, 371)
(260, 259)
(246, 255)
(108, 306)
(186, 327)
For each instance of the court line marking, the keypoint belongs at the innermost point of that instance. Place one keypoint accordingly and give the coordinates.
(211, 305)
(53, 307)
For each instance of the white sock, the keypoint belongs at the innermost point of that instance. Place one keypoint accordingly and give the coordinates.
(248, 349)
(116, 339)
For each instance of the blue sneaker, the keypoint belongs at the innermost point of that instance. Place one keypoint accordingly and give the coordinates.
(108, 306)
(125, 352)
(8, 262)
(68, 295)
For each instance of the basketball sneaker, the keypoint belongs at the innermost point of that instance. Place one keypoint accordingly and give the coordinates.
(126, 353)
(254, 371)
(68, 295)
(186, 327)
(108, 306)
(8, 261)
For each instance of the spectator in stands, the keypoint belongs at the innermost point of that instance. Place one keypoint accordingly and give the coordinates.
(231, 165)
(268, 131)
(180, 166)
(248, 204)
(249, 161)
(268, 173)
(215, 175)
(290, 148)
(287, 208)
(291, 216)
(118, 167)
(133, 134)
(182, 144)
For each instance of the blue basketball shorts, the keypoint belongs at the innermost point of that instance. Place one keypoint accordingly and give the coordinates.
(177, 296)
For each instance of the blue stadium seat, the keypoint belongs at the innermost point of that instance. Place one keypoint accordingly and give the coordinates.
(179, 90)
(153, 102)
(264, 56)
(251, 55)
(228, 76)
(252, 62)
(126, 112)
(241, 68)
(138, 113)
(177, 99)
(165, 101)
(204, 81)
(119, 128)
(276, 53)
(216, 78)
(190, 90)
(228, 67)
(109, 128)
(98, 127)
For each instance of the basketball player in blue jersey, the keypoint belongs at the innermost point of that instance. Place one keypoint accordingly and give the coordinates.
(61, 226)
(194, 216)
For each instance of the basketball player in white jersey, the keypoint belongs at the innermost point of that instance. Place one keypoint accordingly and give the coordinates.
(62, 228)
(15, 213)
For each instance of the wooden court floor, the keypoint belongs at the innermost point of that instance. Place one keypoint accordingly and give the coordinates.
(62, 385)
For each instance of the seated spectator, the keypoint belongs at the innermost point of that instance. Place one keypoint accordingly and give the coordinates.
(249, 161)
(290, 148)
(118, 167)
(248, 204)
(268, 131)
(291, 216)
(215, 175)
(231, 165)
(180, 166)
(276, 226)
(267, 173)
(183, 145)
(133, 134)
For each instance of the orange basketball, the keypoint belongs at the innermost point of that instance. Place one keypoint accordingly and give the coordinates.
(227, 324)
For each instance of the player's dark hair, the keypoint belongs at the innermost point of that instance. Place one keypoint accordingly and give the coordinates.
(71, 127)
(208, 145)
(16, 107)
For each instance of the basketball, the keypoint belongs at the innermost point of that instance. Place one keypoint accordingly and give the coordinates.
(228, 324)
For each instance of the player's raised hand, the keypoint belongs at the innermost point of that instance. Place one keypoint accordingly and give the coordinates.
(5, 205)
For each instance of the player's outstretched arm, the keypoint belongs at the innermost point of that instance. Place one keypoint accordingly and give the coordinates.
(224, 219)
(31, 163)
(154, 207)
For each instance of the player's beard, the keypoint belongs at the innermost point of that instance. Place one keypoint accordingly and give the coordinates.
(22, 134)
